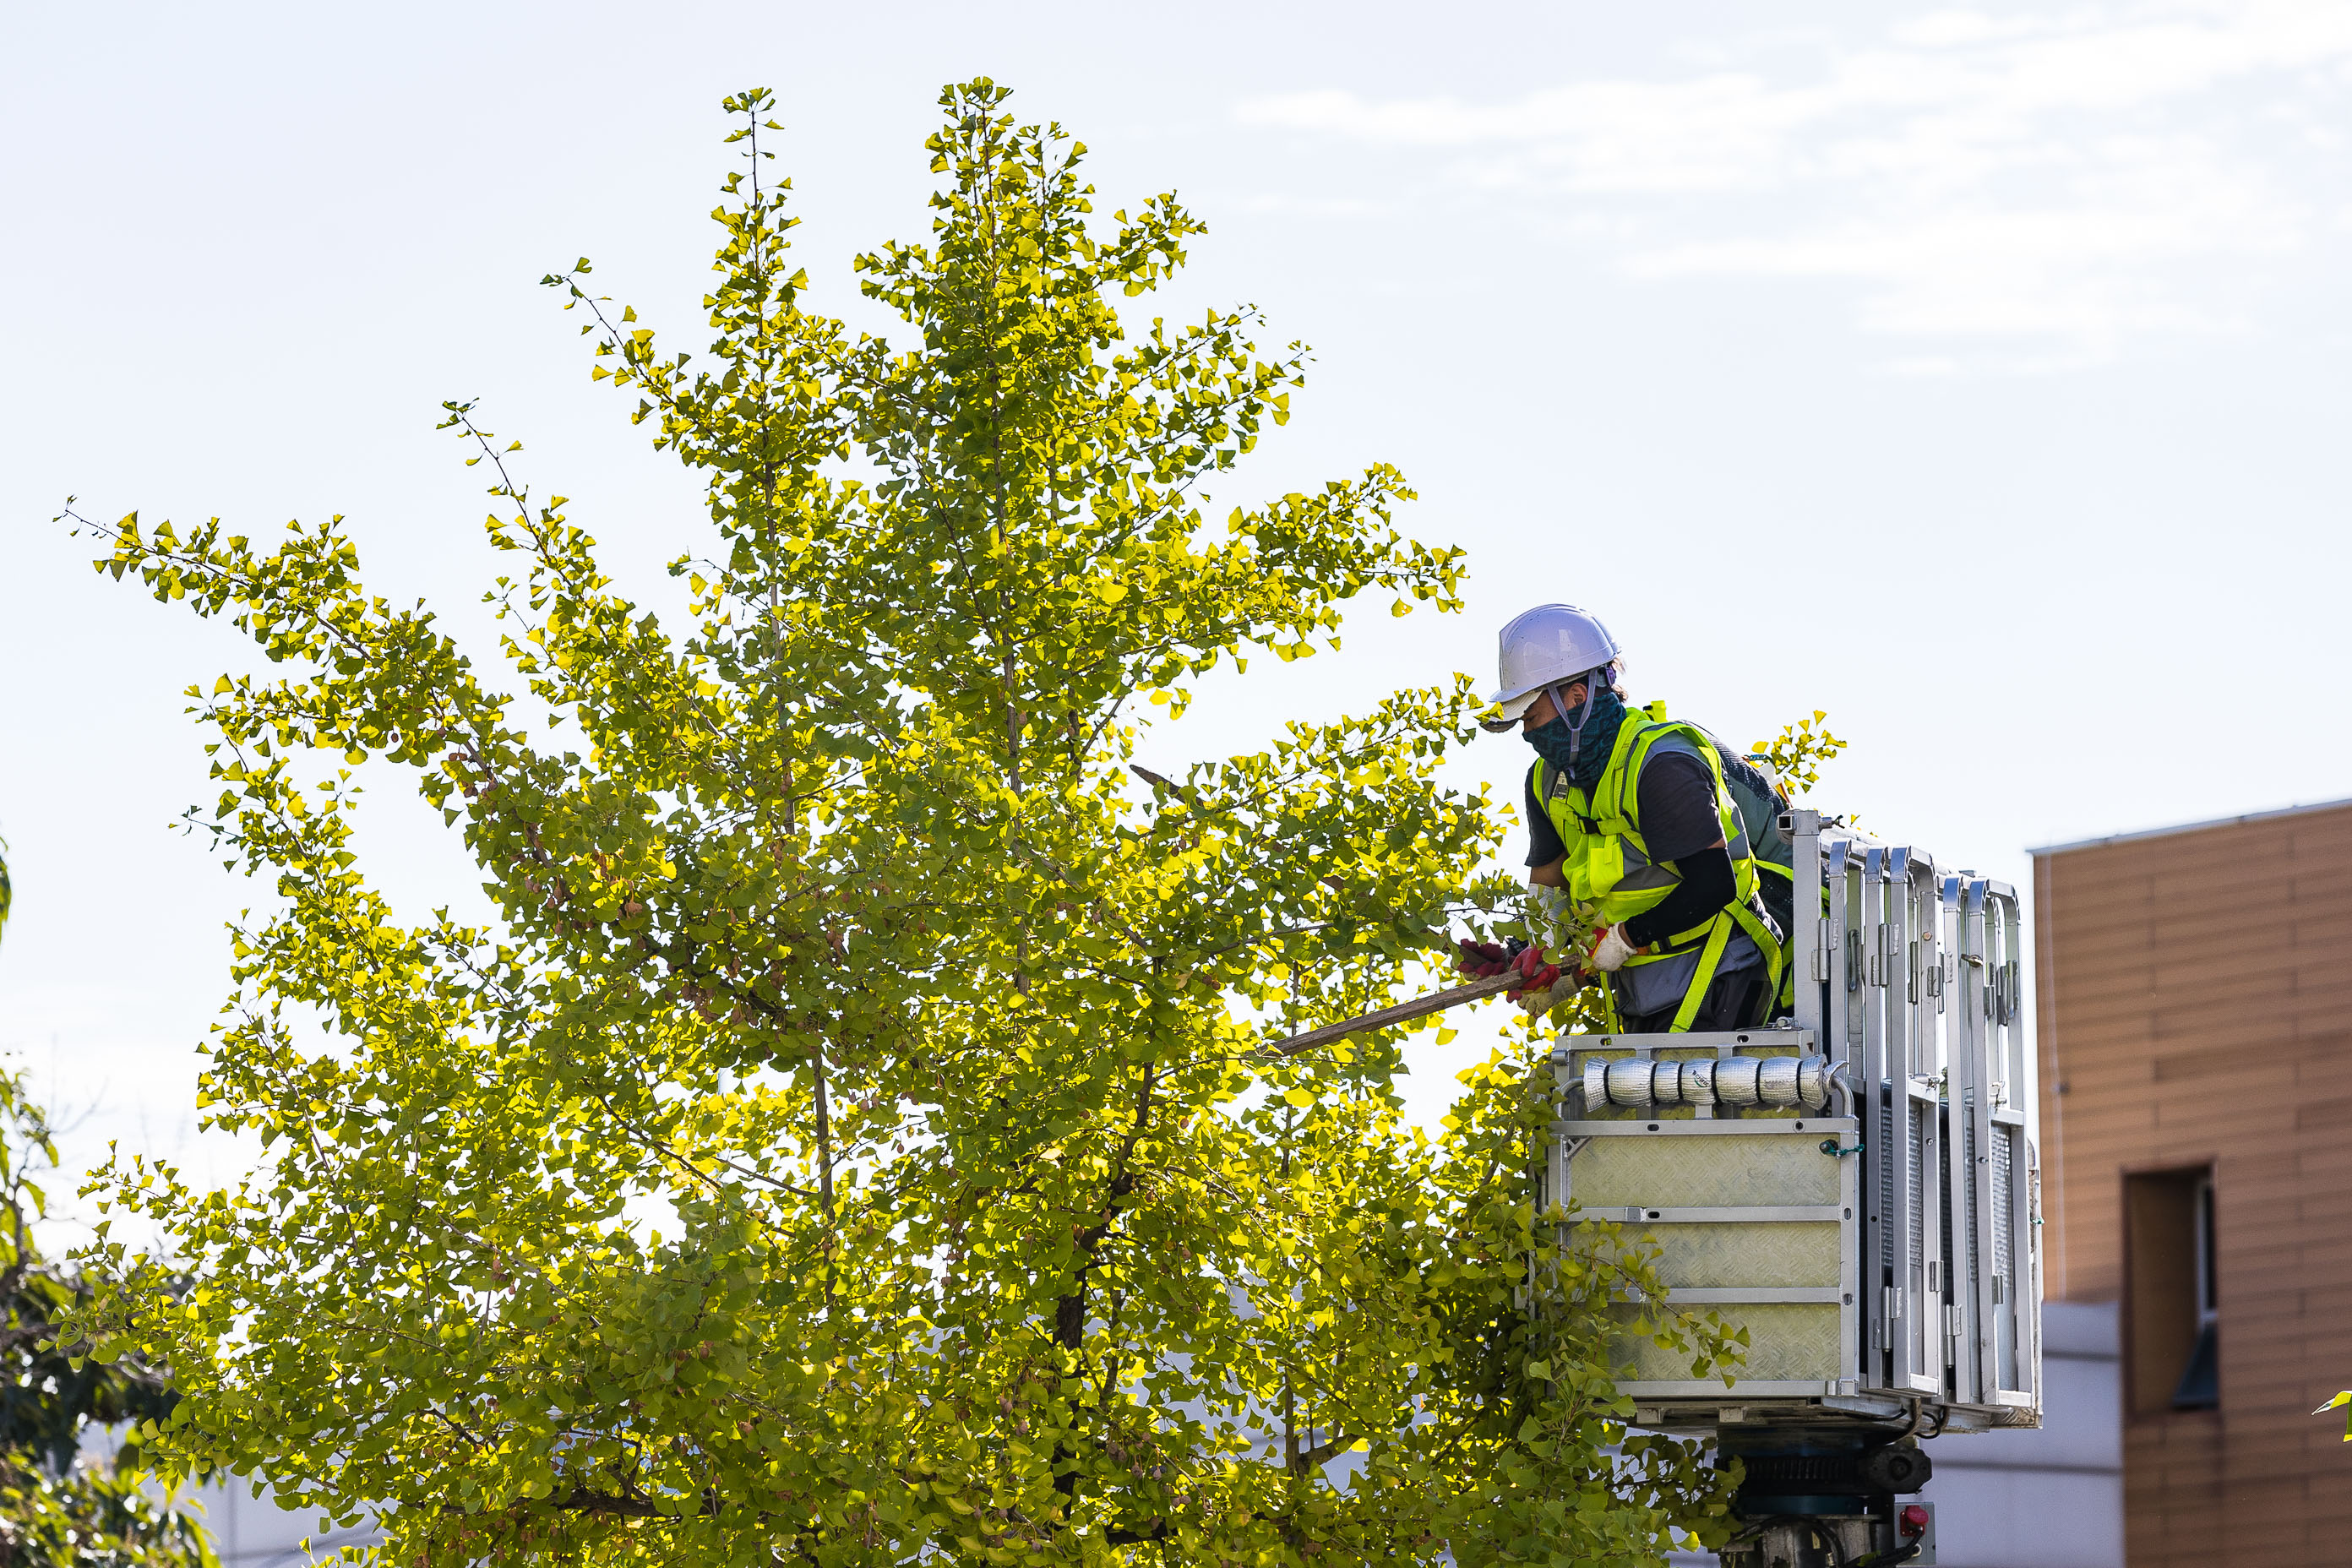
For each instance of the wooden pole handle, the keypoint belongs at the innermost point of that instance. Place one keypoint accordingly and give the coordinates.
(1421, 1007)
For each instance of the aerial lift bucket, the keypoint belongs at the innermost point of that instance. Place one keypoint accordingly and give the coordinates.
(1856, 1186)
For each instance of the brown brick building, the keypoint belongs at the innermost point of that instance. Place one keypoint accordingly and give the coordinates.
(2195, 993)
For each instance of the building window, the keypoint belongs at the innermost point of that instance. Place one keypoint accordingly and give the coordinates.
(2172, 1295)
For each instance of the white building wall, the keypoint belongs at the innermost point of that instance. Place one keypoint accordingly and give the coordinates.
(2052, 1498)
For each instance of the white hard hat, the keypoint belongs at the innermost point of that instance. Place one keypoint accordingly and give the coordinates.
(1547, 646)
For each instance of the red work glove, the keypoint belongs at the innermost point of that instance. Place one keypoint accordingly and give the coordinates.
(1481, 959)
(1537, 974)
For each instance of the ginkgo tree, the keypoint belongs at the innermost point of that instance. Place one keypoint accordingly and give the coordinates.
(852, 1138)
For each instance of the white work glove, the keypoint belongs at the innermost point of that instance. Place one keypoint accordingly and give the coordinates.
(1610, 950)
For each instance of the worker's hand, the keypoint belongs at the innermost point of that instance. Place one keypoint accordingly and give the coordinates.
(1610, 949)
(1536, 975)
(1545, 988)
(1538, 1003)
(1481, 959)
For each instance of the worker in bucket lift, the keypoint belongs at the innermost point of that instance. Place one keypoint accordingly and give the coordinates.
(1642, 868)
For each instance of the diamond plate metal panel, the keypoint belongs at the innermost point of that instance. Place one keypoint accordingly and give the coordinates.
(1749, 1254)
(1704, 1173)
(1792, 1342)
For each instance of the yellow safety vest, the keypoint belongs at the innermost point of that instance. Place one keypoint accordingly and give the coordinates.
(1609, 871)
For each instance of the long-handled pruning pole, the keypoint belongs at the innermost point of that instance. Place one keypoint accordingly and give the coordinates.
(1421, 1007)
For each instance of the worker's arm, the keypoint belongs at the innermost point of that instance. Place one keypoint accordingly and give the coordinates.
(1681, 827)
(1546, 853)
(1708, 885)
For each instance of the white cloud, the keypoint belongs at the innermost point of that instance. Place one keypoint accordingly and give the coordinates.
(2072, 181)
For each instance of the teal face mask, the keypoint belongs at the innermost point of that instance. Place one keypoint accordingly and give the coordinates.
(1582, 751)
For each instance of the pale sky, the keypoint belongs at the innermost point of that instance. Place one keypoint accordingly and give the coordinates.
(1973, 374)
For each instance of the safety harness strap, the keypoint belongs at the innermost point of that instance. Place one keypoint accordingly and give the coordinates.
(1710, 957)
(1786, 990)
(1703, 976)
(1758, 933)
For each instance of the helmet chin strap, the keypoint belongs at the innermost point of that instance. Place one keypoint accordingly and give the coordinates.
(1583, 717)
